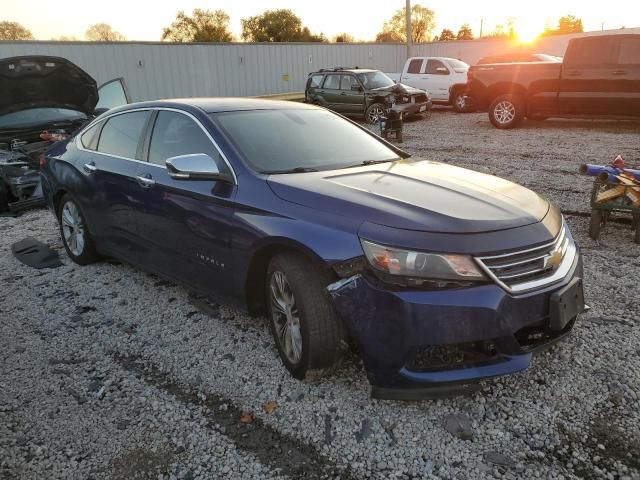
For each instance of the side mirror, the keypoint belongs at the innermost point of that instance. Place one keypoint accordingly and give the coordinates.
(195, 166)
(356, 88)
(442, 71)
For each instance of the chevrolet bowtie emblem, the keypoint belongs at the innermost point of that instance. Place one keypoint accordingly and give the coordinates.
(553, 259)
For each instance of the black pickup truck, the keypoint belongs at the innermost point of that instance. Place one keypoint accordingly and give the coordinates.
(599, 76)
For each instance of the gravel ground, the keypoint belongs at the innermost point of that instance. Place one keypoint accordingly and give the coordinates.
(107, 372)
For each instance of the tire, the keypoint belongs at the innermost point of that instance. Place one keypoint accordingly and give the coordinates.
(507, 111)
(75, 235)
(595, 224)
(373, 112)
(637, 236)
(4, 197)
(312, 324)
(459, 103)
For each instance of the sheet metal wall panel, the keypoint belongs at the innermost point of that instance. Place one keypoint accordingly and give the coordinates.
(159, 70)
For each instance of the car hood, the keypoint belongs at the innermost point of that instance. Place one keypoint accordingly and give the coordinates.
(42, 81)
(416, 195)
(399, 88)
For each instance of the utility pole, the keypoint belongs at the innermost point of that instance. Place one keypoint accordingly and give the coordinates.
(481, 25)
(408, 20)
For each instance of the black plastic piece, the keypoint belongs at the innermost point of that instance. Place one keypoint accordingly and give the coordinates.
(425, 393)
(35, 254)
(566, 304)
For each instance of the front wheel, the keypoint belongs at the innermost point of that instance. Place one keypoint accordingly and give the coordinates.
(374, 112)
(74, 232)
(507, 111)
(309, 336)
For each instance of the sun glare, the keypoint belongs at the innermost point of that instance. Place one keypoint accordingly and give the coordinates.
(527, 32)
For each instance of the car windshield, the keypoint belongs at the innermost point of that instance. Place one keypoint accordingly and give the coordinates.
(39, 116)
(457, 63)
(282, 141)
(372, 80)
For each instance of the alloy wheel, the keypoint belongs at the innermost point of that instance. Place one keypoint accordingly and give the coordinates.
(504, 112)
(285, 317)
(460, 102)
(374, 114)
(73, 228)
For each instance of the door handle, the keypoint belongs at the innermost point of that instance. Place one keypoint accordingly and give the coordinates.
(619, 72)
(90, 167)
(145, 180)
(574, 74)
(343, 93)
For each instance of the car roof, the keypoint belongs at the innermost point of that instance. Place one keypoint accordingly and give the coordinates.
(342, 70)
(220, 104)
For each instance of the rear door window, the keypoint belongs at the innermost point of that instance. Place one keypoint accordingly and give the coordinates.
(629, 53)
(591, 52)
(122, 133)
(177, 134)
(332, 82)
(433, 65)
(415, 66)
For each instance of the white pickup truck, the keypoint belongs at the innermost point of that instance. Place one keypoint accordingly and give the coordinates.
(444, 78)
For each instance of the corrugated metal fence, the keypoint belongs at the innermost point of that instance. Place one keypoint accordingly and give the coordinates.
(162, 70)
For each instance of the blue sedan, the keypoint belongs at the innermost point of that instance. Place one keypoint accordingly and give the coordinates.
(439, 275)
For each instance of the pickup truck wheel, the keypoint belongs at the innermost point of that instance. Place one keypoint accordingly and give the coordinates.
(506, 111)
(4, 197)
(75, 235)
(309, 336)
(374, 112)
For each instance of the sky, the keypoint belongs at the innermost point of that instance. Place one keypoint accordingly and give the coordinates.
(144, 20)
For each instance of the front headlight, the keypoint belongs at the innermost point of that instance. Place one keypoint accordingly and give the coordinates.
(421, 265)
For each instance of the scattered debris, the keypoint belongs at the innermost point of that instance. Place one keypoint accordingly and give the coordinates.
(459, 426)
(246, 417)
(270, 406)
(35, 254)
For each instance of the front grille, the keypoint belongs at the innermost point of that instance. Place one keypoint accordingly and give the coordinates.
(420, 98)
(529, 267)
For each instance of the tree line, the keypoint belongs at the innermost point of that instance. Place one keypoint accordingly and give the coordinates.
(283, 25)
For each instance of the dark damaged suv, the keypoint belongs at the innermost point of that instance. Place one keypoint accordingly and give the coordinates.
(359, 91)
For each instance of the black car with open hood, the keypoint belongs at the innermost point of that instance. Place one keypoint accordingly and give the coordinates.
(43, 99)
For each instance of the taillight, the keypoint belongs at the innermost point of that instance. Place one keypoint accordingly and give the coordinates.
(41, 161)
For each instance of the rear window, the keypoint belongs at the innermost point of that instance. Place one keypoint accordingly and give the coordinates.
(629, 53)
(121, 134)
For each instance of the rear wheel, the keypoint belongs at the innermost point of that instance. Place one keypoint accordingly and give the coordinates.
(595, 224)
(506, 111)
(74, 232)
(309, 336)
(459, 102)
(4, 197)
(374, 112)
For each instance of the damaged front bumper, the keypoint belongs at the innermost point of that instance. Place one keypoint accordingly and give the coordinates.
(424, 344)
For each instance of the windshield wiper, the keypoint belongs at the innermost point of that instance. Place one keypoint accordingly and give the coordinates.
(373, 162)
(293, 170)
